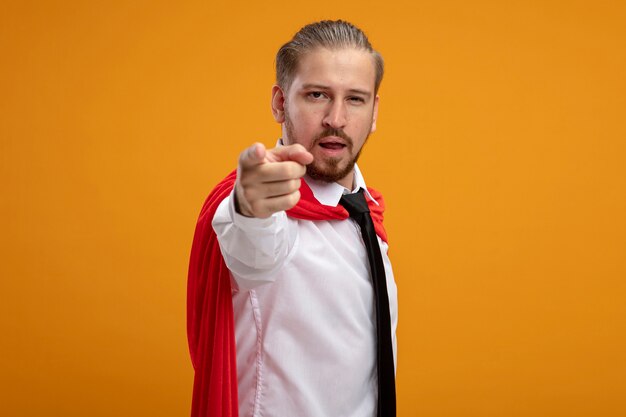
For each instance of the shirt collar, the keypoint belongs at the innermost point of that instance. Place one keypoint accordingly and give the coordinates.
(329, 193)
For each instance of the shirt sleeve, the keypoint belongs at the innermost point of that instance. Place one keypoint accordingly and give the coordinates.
(253, 249)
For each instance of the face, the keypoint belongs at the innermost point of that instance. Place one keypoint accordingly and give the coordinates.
(330, 109)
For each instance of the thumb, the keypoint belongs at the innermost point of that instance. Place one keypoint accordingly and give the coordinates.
(252, 156)
(295, 152)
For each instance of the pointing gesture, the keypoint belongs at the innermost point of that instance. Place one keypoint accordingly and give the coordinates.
(268, 180)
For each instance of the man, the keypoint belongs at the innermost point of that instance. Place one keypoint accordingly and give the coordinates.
(292, 306)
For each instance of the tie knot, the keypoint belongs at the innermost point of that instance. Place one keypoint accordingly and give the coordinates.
(355, 203)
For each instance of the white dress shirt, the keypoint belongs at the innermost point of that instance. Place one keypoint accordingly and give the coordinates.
(304, 311)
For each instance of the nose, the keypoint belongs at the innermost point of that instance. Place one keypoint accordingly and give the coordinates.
(336, 117)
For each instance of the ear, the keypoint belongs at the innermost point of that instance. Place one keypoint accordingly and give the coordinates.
(278, 104)
(374, 114)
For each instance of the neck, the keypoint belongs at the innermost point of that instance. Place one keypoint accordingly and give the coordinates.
(347, 181)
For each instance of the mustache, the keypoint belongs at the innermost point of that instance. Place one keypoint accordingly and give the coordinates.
(334, 132)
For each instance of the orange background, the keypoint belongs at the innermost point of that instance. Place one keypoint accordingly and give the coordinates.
(500, 150)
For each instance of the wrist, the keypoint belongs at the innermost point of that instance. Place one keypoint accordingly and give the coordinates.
(237, 205)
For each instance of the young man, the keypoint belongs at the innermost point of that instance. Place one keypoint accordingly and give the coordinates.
(292, 305)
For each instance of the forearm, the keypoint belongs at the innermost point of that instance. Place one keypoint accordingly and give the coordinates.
(253, 249)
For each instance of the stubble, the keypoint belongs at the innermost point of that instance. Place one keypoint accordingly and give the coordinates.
(329, 170)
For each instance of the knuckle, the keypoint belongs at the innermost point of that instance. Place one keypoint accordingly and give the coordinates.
(294, 185)
(294, 198)
(290, 170)
(295, 170)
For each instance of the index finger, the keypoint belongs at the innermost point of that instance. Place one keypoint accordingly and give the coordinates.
(252, 156)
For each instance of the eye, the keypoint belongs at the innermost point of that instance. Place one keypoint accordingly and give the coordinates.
(316, 95)
(356, 100)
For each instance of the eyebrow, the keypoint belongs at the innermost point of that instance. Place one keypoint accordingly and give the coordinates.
(325, 87)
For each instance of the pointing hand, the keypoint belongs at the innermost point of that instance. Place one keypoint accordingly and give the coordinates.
(268, 180)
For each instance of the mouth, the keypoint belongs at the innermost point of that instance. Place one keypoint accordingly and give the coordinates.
(332, 143)
(335, 146)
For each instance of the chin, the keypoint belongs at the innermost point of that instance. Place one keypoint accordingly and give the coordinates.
(332, 171)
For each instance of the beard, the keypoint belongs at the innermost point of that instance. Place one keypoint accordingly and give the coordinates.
(330, 169)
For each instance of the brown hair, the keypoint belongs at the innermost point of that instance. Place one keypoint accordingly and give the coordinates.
(331, 34)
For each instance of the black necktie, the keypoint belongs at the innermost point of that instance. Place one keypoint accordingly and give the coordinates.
(356, 205)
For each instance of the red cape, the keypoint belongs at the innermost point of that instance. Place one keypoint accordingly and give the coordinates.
(210, 322)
